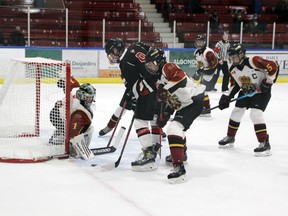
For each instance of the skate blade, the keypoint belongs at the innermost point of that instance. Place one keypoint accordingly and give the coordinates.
(207, 115)
(170, 162)
(263, 154)
(178, 180)
(145, 168)
(227, 146)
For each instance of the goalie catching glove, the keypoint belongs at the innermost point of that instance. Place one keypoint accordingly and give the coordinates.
(224, 102)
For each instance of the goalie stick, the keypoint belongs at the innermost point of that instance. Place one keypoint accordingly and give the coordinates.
(110, 149)
(235, 99)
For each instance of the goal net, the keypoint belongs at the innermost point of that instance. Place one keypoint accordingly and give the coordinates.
(27, 95)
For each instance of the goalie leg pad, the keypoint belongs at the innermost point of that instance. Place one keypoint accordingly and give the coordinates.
(81, 148)
(88, 135)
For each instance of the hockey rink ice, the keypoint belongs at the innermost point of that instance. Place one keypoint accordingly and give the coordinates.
(222, 182)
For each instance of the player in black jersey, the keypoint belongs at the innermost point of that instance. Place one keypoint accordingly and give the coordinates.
(140, 95)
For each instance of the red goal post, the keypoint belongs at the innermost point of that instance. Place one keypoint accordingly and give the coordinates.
(27, 95)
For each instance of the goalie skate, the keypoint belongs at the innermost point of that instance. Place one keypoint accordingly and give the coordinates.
(227, 142)
(263, 150)
(177, 175)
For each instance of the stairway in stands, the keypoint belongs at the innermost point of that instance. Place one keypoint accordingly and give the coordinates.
(160, 26)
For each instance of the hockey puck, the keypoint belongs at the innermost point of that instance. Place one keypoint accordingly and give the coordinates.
(93, 165)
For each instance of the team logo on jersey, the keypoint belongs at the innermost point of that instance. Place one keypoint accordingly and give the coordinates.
(200, 64)
(245, 80)
(246, 84)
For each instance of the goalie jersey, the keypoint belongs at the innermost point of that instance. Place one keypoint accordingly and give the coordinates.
(80, 115)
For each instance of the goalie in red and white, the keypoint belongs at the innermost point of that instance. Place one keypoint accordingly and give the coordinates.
(81, 115)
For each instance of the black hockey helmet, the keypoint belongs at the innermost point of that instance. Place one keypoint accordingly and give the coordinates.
(86, 94)
(236, 49)
(200, 41)
(155, 60)
(236, 53)
(114, 49)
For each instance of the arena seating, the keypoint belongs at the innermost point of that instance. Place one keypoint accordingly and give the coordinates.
(189, 25)
(85, 22)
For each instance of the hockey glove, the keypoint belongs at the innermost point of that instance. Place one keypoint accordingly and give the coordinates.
(161, 122)
(265, 86)
(131, 104)
(130, 101)
(224, 102)
(198, 74)
(162, 94)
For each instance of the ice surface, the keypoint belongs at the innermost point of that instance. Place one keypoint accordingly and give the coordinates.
(221, 182)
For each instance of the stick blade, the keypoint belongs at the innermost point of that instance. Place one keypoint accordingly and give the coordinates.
(119, 137)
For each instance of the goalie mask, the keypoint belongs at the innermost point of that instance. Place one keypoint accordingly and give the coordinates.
(155, 60)
(236, 53)
(200, 42)
(86, 94)
(114, 49)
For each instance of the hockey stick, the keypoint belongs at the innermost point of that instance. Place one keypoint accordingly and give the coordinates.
(116, 164)
(118, 120)
(110, 149)
(235, 99)
(160, 129)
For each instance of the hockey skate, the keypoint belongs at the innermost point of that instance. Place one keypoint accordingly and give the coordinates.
(105, 131)
(168, 158)
(227, 142)
(178, 174)
(263, 149)
(73, 152)
(205, 113)
(146, 160)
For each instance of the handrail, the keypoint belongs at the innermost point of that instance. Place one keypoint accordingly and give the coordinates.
(22, 11)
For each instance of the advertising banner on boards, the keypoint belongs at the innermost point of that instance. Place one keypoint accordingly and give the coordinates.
(84, 63)
(184, 59)
(106, 69)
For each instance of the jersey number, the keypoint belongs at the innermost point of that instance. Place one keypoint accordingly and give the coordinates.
(141, 56)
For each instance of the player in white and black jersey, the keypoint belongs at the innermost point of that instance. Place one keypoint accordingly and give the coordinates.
(249, 74)
(221, 50)
(207, 69)
(179, 93)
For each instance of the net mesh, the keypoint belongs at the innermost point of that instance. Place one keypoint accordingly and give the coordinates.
(27, 96)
